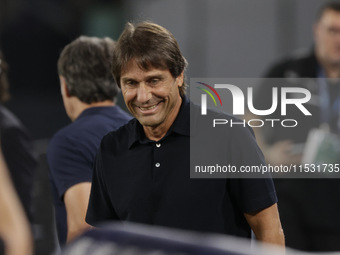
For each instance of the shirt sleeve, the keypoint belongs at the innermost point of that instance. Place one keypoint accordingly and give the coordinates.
(100, 207)
(69, 163)
(251, 194)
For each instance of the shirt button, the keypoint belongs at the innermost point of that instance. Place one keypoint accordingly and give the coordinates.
(157, 165)
(158, 145)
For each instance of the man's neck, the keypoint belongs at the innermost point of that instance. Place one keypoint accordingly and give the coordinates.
(80, 107)
(155, 133)
(332, 70)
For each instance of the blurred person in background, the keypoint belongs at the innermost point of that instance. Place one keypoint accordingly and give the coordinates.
(309, 208)
(88, 91)
(15, 231)
(17, 147)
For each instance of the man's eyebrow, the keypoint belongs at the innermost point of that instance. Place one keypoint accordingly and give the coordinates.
(153, 76)
(125, 79)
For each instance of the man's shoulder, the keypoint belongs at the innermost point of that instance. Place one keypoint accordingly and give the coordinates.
(126, 128)
(64, 133)
(97, 117)
(121, 135)
(85, 128)
(301, 63)
(71, 137)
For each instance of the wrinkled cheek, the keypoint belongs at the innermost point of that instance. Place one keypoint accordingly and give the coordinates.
(128, 98)
(131, 109)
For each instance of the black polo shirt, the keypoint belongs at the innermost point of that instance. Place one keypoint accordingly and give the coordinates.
(139, 180)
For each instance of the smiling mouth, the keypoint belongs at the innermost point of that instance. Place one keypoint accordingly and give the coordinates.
(148, 108)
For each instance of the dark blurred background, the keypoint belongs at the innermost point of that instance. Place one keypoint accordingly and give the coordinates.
(219, 38)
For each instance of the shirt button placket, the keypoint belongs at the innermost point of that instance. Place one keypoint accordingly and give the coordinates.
(158, 164)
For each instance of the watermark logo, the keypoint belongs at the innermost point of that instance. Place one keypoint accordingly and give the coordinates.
(239, 99)
(204, 97)
(295, 96)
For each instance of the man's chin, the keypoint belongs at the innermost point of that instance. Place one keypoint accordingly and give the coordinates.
(148, 122)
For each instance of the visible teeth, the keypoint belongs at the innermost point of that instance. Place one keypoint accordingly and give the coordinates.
(148, 108)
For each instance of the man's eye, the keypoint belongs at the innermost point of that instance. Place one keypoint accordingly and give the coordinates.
(130, 83)
(333, 30)
(154, 81)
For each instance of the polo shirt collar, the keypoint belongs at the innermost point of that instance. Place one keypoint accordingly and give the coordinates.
(180, 126)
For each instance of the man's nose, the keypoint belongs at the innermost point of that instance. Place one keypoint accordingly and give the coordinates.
(143, 93)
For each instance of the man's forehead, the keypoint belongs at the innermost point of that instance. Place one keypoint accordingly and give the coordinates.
(330, 16)
(133, 70)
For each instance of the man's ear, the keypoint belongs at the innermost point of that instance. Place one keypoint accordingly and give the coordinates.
(180, 79)
(63, 86)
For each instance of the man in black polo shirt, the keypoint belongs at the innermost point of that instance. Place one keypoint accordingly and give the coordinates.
(142, 170)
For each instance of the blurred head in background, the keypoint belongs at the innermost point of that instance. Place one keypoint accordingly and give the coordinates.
(85, 73)
(327, 34)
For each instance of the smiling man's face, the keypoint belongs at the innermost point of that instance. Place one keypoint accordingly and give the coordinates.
(152, 96)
